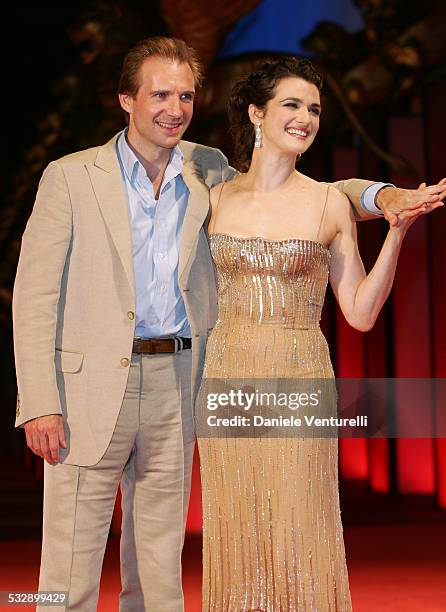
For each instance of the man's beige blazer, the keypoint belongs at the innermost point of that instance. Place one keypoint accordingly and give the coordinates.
(74, 295)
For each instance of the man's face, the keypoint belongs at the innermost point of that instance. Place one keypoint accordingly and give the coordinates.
(162, 109)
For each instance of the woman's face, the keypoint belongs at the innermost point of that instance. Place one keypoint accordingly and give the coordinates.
(290, 121)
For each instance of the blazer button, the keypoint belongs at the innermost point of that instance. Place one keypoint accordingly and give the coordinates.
(124, 362)
(131, 315)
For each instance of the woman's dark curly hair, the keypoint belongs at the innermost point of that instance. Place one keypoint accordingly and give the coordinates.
(258, 88)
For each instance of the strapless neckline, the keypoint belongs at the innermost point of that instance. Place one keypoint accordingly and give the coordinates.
(281, 241)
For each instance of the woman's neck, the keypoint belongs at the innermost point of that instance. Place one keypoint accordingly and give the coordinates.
(269, 171)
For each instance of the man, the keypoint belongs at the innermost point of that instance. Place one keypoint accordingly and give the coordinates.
(113, 302)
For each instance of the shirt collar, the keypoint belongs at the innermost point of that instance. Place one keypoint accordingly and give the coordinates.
(132, 166)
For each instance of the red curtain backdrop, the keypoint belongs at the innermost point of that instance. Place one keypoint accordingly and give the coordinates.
(434, 155)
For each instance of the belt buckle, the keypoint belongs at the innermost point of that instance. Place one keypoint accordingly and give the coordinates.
(178, 343)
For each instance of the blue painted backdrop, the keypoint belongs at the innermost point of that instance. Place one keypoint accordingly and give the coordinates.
(279, 25)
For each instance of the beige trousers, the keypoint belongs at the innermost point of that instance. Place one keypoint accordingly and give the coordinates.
(150, 454)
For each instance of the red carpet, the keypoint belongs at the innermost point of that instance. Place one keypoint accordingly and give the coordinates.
(393, 568)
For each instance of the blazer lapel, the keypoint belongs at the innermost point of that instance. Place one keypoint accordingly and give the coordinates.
(196, 212)
(108, 185)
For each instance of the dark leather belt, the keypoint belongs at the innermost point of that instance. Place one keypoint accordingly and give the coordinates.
(151, 346)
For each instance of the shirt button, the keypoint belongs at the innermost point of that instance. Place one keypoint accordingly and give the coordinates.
(131, 315)
(124, 362)
(163, 288)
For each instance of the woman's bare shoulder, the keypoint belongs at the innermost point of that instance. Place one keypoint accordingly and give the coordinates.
(315, 190)
(216, 188)
(339, 209)
(309, 183)
(325, 190)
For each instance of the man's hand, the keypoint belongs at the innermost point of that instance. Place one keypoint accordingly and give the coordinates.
(393, 200)
(408, 217)
(44, 435)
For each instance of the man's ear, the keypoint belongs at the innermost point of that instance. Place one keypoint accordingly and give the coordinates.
(126, 102)
(255, 114)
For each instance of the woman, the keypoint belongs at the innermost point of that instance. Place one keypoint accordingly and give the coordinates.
(272, 528)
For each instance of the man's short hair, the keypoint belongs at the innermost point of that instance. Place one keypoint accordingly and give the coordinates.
(172, 49)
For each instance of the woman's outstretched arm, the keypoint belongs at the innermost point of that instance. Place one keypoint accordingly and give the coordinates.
(361, 296)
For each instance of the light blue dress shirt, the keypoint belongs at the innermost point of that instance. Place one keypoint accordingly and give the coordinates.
(156, 232)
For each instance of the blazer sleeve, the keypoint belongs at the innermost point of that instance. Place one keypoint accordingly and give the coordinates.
(45, 245)
(353, 189)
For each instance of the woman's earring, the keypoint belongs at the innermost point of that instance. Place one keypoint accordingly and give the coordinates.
(258, 142)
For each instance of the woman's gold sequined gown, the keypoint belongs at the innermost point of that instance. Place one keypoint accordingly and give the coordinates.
(272, 528)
